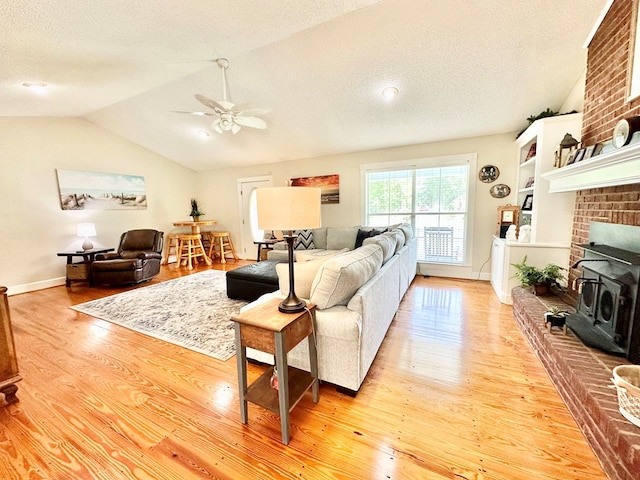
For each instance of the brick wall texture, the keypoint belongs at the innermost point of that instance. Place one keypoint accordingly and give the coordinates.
(605, 103)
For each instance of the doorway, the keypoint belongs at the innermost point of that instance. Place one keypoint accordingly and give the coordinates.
(249, 231)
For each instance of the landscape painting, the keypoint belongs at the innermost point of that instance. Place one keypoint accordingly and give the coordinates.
(329, 186)
(101, 191)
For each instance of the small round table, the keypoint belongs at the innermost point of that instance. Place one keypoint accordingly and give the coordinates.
(195, 226)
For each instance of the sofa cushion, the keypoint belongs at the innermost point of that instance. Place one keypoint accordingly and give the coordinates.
(306, 255)
(320, 237)
(407, 229)
(340, 277)
(386, 243)
(339, 238)
(402, 240)
(304, 240)
(303, 274)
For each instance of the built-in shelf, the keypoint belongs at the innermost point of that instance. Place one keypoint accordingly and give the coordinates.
(618, 167)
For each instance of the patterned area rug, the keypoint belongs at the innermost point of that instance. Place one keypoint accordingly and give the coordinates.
(193, 312)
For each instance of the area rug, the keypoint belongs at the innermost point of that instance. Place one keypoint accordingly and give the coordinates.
(192, 311)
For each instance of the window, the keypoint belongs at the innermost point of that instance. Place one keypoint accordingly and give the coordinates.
(433, 195)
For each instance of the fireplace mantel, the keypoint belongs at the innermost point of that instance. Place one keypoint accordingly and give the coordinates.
(617, 167)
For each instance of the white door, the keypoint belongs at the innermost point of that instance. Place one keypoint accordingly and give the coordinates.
(249, 215)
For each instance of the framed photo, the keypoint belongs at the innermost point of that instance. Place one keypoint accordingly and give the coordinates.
(572, 157)
(578, 156)
(597, 149)
(528, 202)
(588, 152)
(531, 153)
(529, 182)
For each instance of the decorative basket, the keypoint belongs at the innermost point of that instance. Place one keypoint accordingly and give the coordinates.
(626, 378)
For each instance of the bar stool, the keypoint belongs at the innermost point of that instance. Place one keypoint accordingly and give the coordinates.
(220, 240)
(173, 241)
(190, 248)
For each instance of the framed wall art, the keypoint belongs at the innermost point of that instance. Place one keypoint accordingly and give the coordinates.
(329, 186)
(81, 190)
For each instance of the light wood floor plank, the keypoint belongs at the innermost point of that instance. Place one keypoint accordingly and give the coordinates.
(454, 393)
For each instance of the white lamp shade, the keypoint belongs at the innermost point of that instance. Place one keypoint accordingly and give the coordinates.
(86, 230)
(288, 208)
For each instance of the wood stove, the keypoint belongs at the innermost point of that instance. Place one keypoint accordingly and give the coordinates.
(608, 310)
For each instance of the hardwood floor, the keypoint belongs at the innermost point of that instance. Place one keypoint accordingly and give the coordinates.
(454, 393)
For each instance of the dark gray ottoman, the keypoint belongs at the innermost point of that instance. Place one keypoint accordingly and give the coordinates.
(252, 281)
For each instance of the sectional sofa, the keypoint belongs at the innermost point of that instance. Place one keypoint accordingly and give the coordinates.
(357, 290)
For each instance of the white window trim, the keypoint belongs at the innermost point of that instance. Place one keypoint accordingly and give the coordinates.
(430, 162)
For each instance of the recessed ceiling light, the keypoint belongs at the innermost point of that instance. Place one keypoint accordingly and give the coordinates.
(37, 87)
(203, 133)
(389, 92)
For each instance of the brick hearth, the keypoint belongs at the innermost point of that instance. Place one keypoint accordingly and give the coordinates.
(582, 377)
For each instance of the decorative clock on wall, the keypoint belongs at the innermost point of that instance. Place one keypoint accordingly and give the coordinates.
(624, 130)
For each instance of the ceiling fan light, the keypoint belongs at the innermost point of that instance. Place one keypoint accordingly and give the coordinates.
(390, 92)
(235, 128)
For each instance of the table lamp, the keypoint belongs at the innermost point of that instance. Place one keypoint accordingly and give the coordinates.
(289, 209)
(86, 230)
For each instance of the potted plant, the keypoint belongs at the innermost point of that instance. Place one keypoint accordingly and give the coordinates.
(195, 211)
(554, 317)
(541, 279)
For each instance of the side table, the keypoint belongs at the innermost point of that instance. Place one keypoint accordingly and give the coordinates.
(265, 328)
(81, 271)
(266, 244)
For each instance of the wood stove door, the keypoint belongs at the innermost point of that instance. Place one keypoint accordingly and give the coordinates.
(588, 299)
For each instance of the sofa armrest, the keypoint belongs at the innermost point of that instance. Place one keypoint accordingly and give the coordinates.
(149, 255)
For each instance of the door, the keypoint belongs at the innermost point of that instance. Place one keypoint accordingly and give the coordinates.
(249, 215)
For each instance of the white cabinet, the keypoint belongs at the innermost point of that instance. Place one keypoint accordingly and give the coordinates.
(550, 214)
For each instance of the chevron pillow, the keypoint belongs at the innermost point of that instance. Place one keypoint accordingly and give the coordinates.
(304, 241)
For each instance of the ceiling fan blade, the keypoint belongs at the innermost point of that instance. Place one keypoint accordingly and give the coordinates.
(210, 103)
(194, 113)
(226, 104)
(252, 112)
(252, 122)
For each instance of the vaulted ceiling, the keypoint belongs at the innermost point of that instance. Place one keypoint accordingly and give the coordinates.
(463, 68)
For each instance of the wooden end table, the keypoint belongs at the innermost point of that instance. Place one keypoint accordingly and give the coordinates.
(266, 245)
(81, 271)
(265, 328)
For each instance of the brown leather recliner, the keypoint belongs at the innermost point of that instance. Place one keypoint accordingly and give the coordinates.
(137, 259)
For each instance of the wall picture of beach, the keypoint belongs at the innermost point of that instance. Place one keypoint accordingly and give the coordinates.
(329, 186)
(100, 191)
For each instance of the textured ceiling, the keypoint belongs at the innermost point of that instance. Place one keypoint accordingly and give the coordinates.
(463, 68)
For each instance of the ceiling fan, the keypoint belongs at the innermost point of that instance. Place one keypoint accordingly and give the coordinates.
(229, 118)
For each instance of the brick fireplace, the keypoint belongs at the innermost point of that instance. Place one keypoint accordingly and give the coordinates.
(580, 373)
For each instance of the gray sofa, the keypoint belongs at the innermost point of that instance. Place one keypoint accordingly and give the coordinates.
(357, 293)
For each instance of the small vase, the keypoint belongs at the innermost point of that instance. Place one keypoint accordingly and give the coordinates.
(196, 218)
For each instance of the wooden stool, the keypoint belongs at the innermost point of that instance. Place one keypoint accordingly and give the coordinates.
(173, 241)
(220, 240)
(191, 248)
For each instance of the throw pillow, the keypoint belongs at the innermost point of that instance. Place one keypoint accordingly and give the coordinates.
(304, 240)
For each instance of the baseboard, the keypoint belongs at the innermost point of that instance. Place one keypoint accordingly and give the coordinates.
(32, 287)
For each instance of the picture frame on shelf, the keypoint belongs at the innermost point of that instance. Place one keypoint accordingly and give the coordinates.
(579, 155)
(529, 183)
(531, 153)
(588, 152)
(527, 205)
(572, 158)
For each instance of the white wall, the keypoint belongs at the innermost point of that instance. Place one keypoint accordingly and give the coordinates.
(33, 227)
(218, 194)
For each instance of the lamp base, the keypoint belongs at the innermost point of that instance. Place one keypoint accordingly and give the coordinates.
(292, 305)
(87, 245)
